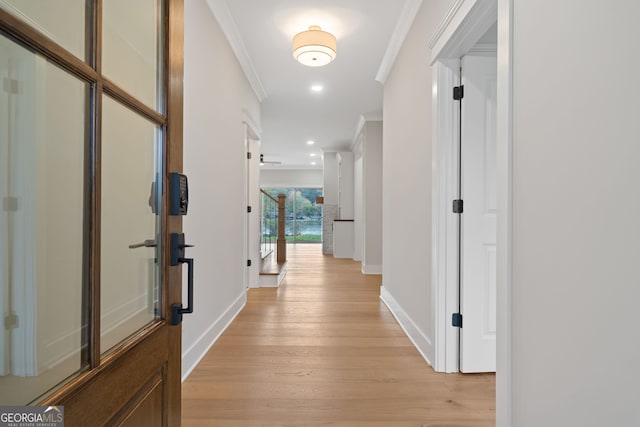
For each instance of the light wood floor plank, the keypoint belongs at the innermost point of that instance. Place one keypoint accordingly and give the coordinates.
(322, 350)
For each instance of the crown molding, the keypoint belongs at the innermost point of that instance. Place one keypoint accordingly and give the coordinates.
(362, 121)
(356, 135)
(230, 29)
(450, 16)
(484, 48)
(403, 26)
(466, 17)
(252, 124)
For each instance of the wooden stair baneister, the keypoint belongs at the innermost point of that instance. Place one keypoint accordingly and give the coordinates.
(281, 248)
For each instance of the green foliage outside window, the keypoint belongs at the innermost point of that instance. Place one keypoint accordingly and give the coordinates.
(303, 216)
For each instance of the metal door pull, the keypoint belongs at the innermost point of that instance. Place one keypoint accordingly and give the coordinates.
(145, 244)
(177, 258)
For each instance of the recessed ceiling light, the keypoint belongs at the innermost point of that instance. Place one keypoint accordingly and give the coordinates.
(313, 163)
(316, 88)
(312, 154)
(310, 142)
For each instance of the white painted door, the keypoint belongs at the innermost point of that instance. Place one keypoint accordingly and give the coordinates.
(478, 238)
(253, 199)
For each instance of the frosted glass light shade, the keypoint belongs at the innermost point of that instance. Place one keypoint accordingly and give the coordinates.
(314, 47)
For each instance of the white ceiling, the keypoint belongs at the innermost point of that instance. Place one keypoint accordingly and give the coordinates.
(291, 113)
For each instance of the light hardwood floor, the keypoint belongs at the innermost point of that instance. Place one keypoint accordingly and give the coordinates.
(322, 350)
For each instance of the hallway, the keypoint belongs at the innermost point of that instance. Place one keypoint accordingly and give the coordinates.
(323, 350)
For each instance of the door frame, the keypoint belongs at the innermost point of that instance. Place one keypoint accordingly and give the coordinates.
(251, 142)
(465, 23)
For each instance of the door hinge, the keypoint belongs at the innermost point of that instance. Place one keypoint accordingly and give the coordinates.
(11, 321)
(249, 155)
(249, 209)
(458, 93)
(456, 320)
(458, 206)
(248, 263)
(10, 85)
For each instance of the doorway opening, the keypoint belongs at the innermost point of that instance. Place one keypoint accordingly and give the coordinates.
(471, 32)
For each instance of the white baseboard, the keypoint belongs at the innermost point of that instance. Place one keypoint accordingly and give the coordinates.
(418, 338)
(192, 356)
(371, 269)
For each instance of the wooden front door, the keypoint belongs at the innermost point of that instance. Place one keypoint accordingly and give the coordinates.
(91, 127)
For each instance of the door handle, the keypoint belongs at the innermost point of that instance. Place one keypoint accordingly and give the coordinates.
(151, 243)
(178, 257)
(177, 310)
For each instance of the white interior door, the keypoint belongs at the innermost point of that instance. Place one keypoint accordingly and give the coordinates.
(478, 238)
(254, 250)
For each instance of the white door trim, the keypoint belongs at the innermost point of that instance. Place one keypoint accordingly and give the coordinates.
(504, 172)
(465, 23)
(445, 175)
(252, 132)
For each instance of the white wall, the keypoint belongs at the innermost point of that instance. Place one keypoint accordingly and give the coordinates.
(372, 198)
(308, 178)
(576, 206)
(407, 182)
(330, 178)
(216, 92)
(345, 185)
(330, 192)
(367, 152)
(358, 203)
(576, 211)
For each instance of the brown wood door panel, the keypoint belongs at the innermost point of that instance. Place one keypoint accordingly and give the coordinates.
(149, 410)
(120, 385)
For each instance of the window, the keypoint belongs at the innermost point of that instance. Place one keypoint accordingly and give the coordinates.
(303, 216)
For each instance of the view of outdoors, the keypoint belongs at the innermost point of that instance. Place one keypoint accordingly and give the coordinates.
(303, 217)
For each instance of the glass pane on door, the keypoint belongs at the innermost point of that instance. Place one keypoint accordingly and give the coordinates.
(63, 21)
(42, 201)
(129, 271)
(131, 42)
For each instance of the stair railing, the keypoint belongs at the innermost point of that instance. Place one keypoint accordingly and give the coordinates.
(272, 230)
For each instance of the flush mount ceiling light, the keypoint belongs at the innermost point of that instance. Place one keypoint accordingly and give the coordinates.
(314, 47)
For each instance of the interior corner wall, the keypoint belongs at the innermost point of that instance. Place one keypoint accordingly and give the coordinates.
(216, 92)
(372, 198)
(358, 201)
(330, 192)
(330, 177)
(575, 286)
(407, 181)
